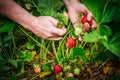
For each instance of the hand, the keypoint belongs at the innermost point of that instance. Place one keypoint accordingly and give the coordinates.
(75, 10)
(46, 27)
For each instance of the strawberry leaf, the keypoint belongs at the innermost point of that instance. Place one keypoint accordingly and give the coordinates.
(49, 7)
(79, 52)
(97, 10)
(104, 31)
(28, 56)
(91, 37)
(62, 19)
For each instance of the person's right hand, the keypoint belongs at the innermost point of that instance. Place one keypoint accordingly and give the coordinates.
(46, 27)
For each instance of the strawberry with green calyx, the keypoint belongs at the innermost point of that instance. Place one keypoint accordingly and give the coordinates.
(78, 31)
(76, 71)
(70, 42)
(36, 68)
(57, 69)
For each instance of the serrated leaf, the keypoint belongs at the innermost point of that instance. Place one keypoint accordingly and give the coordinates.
(79, 52)
(98, 9)
(109, 14)
(49, 7)
(104, 31)
(91, 37)
(114, 44)
(61, 17)
(13, 62)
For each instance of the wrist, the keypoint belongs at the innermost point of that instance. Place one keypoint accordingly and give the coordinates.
(29, 23)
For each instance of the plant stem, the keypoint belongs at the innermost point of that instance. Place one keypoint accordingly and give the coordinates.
(54, 50)
(35, 40)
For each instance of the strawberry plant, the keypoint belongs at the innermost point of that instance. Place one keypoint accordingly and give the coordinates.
(96, 56)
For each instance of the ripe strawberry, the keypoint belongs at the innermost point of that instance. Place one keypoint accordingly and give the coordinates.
(57, 69)
(84, 20)
(70, 43)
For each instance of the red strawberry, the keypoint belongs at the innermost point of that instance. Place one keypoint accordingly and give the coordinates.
(70, 43)
(57, 69)
(84, 20)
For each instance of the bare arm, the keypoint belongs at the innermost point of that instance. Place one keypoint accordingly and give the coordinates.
(15, 12)
(43, 26)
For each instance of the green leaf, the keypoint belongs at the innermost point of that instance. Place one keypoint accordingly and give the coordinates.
(79, 52)
(46, 67)
(91, 37)
(28, 56)
(30, 45)
(20, 54)
(62, 19)
(7, 27)
(49, 7)
(13, 62)
(114, 44)
(104, 31)
(109, 14)
(70, 78)
(96, 7)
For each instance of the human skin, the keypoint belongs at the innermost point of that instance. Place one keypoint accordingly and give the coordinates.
(75, 8)
(43, 26)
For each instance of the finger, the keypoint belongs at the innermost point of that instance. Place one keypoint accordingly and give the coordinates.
(79, 37)
(87, 26)
(53, 21)
(59, 32)
(56, 39)
(94, 25)
(89, 16)
(73, 18)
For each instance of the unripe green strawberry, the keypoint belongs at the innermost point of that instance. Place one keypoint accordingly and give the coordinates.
(76, 71)
(78, 31)
(67, 68)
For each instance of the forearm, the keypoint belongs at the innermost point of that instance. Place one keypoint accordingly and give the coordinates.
(68, 3)
(15, 12)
